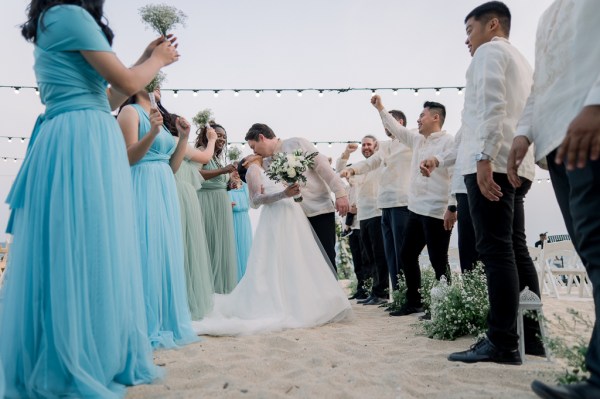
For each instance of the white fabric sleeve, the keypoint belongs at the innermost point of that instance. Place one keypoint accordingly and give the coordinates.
(404, 135)
(255, 189)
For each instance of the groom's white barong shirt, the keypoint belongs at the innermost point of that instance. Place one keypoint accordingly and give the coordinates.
(427, 196)
(567, 75)
(393, 158)
(321, 179)
(498, 82)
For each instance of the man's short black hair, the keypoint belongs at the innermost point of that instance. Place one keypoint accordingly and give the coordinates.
(436, 108)
(489, 10)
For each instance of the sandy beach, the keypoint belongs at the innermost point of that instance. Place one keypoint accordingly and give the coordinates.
(371, 356)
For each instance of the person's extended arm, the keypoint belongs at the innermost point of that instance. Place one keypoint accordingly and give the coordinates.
(208, 174)
(255, 189)
(183, 128)
(124, 81)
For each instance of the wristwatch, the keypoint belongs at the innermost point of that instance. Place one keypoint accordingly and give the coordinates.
(452, 208)
(482, 157)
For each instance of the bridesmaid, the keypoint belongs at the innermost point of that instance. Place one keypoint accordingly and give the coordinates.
(154, 156)
(238, 193)
(197, 260)
(72, 309)
(216, 209)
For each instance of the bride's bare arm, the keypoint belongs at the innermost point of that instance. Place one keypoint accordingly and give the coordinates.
(256, 192)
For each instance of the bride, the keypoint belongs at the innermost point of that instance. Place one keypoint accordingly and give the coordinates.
(288, 281)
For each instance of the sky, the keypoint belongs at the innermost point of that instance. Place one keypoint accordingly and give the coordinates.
(284, 44)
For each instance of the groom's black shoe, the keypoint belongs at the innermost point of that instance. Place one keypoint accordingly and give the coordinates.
(367, 299)
(485, 351)
(584, 390)
(358, 296)
(406, 310)
(376, 301)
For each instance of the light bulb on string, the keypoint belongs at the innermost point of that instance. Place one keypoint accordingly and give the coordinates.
(236, 93)
(4, 159)
(416, 92)
(437, 92)
(460, 91)
(17, 89)
(299, 93)
(37, 91)
(22, 139)
(320, 93)
(195, 94)
(9, 139)
(372, 92)
(329, 145)
(257, 93)
(395, 92)
(278, 93)
(175, 93)
(15, 160)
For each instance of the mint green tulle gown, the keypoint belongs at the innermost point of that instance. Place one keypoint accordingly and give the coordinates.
(71, 308)
(218, 226)
(198, 272)
(160, 240)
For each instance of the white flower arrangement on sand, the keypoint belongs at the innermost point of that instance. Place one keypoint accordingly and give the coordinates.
(162, 17)
(290, 167)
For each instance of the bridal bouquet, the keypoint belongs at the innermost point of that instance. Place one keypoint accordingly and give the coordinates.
(290, 167)
(161, 17)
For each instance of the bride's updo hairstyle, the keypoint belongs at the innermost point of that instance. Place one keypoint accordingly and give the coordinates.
(242, 169)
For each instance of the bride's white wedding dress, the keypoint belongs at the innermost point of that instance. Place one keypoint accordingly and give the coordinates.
(288, 283)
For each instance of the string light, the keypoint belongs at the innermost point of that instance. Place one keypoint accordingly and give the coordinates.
(257, 93)
(321, 91)
(437, 92)
(37, 91)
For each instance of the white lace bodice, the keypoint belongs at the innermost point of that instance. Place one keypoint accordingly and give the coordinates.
(261, 189)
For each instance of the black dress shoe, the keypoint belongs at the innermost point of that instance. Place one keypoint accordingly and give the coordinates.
(367, 299)
(358, 296)
(406, 310)
(376, 301)
(583, 390)
(485, 351)
(426, 316)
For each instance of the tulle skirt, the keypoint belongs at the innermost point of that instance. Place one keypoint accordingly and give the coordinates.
(161, 246)
(288, 282)
(198, 273)
(71, 306)
(218, 226)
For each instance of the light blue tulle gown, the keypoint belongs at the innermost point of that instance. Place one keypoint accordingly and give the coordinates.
(72, 310)
(241, 226)
(160, 241)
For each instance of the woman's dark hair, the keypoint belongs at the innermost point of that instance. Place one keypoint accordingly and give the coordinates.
(169, 119)
(241, 169)
(37, 8)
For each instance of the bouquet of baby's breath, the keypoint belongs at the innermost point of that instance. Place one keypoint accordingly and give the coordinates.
(157, 82)
(464, 308)
(162, 17)
(202, 118)
(290, 167)
(234, 153)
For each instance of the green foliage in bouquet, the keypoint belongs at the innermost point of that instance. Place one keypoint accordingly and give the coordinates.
(290, 167)
(202, 118)
(569, 344)
(234, 153)
(157, 82)
(463, 310)
(343, 256)
(162, 17)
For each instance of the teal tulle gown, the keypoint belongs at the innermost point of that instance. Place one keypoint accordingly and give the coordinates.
(242, 227)
(161, 245)
(198, 272)
(218, 225)
(72, 309)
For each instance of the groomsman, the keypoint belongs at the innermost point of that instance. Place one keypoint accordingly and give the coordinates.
(321, 181)
(428, 198)
(498, 83)
(369, 216)
(562, 119)
(394, 159)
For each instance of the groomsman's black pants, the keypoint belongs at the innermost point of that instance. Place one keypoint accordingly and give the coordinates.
(358, 256)
(420, 231)
(578, 195)
(324, 227)
(372, 240)
(467, 248)
(501, 243)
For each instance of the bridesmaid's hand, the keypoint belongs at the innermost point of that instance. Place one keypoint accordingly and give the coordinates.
(211, 134)
(183, 128)
(166, 53)
(156, 121)
(150, 48)
(229, 169)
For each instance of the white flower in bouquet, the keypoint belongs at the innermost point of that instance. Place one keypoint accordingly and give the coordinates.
(154, 84)
(162, 17)
(290, 167)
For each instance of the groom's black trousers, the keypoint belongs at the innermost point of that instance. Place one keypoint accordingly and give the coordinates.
(324, 227)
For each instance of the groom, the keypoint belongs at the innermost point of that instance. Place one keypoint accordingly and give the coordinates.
(321, 181)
